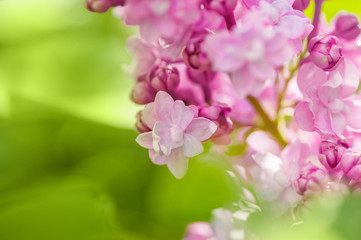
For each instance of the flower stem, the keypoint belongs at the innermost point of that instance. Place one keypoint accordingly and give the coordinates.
(316, 18)
(269, 125)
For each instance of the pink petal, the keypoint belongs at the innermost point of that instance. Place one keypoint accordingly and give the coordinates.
(354, 116)
(304, 117)
(261, 69)
(177, 163)
(144, 53)
(191, 146)
(164, 106)
(149, 115)
(166, 137)
(245, 83)
(201, 128)
(310, 77)
(145, 140)
(294, 25)
(223, 50)
(156, 158)
(182, 115)
(355, 172)
(350, 78)
(338, 122)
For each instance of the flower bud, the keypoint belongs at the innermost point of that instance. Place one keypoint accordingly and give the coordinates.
(193, 55)
(140, 126)
(331, 153)
(301, 4)
(102, 6)
(199, 231)
(312, 179)
(223, 7)
(325, 52)
(347, 27)
(351, 164)
(219, 115)
(164, 78)
(142, 93)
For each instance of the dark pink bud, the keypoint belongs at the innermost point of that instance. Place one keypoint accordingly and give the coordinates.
(223, 7)
(164, 78)
(142, 93)
(193, 55)
(199, 231)
(347, 27)
(140, 126)
(325, 52)
(312, 179)
(219, 115)
(351, 164)
(301, 4)
(102, 6)
(331, 153)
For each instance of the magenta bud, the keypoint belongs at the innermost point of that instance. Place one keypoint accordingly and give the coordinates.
(347, 27)
(331, 153)
(102, 6)
(99, 6)
(325, 52)
(140, 126)
(210, 112)
(164, 78)
(223, 7)
(312, 179)
(142, 93)
(351, 164)
(301, 4)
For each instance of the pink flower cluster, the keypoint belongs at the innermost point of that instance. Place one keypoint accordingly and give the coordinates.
(276, 94)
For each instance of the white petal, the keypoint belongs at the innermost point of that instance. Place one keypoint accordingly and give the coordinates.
(182, 115)
(191, 146)
(201, 128)
(156, 158)
(145, 140)
(164, 106)
(177, 163)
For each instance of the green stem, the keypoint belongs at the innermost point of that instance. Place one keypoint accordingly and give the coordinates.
(269, 125)
(293, 71)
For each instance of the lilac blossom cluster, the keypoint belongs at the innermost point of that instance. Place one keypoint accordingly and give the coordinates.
(250, 74)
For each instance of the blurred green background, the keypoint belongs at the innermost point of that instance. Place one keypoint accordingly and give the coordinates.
(69, 165)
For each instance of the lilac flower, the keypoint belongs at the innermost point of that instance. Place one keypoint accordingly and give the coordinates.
(301, 4)
(347, 26)
(293, 23)
(331, 153)
(325, 52)
(327, 99)
(249, 54)
(351, 164)
(176, 133)
(312, 179)
(166, 19)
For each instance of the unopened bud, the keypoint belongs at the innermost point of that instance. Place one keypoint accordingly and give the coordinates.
(142, 93)
(325, 52)
(347, 27)
(301, 4)
(164, 78)
(331, 153)
(223, 7)
(102, 6)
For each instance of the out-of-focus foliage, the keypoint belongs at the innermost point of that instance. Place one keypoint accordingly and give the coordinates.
(69, 166)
